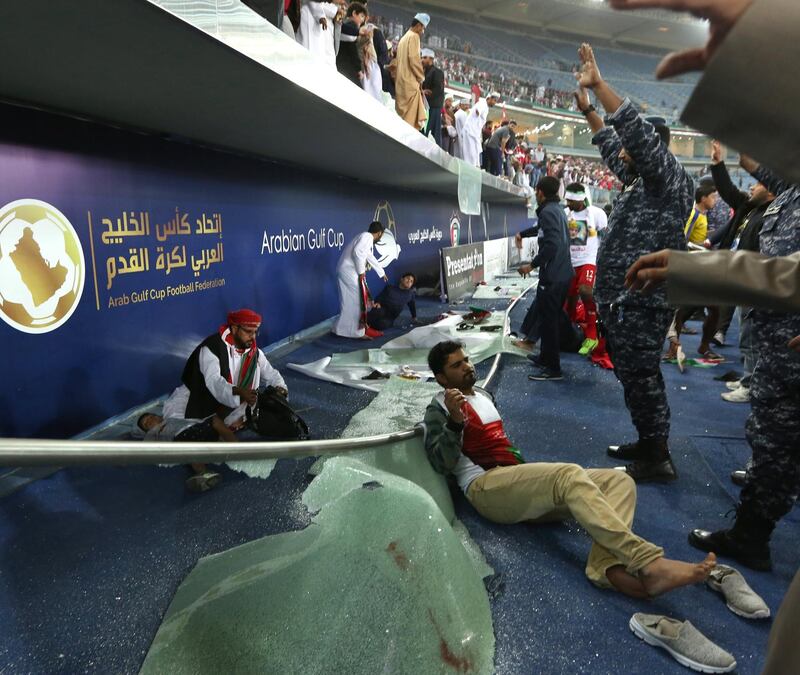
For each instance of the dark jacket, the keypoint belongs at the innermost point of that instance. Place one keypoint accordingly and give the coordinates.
(201, 401)
(745, 213)
(553, 260)
(434, 80)
(348, 60)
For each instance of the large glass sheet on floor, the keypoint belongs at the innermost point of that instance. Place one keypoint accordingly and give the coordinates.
(407, 355)
(378, 583)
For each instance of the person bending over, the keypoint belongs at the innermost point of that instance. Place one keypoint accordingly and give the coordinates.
(464, 436)
(390, 302)
(211, 429)
(224, 373)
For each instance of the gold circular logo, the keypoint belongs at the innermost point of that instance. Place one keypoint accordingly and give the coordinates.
(42, 268)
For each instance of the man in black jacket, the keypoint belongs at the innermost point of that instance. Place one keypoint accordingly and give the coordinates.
(741, 232)
(348, 60)
(433, 88)
(555, 274)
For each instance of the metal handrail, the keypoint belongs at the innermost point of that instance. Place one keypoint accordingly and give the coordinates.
(45, 452)
(48, 452)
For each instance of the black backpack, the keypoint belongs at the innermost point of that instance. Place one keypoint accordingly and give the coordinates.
(274, 419)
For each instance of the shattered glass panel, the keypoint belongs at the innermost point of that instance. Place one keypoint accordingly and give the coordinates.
(470, 183)
(378, 583)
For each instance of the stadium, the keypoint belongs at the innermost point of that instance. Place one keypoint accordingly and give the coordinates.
(398, 337)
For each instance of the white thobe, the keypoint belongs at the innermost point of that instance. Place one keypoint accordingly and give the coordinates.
(461, 121)
(353, 263)
(373, 81)
(220, 388)
(311, 34)
(473, 132)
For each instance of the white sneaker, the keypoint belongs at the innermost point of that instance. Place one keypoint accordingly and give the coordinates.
(733, 385)
(740, 395)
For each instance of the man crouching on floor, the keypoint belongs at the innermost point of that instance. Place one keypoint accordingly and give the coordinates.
(464, 436)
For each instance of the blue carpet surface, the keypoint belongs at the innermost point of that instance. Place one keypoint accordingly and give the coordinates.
(91, 557)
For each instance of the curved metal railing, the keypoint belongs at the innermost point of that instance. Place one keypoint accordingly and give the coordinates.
(47, 452)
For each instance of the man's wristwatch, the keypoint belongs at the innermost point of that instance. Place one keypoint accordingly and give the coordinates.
(588, 110)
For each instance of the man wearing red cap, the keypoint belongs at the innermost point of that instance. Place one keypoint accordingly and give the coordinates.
(224, 372)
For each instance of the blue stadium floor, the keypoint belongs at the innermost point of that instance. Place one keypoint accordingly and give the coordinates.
(91, 557)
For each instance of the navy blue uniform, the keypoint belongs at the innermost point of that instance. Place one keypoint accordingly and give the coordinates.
(773, 428)
(648, 216)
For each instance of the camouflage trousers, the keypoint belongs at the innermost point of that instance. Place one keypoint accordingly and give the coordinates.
(635, 339)
(773, 431)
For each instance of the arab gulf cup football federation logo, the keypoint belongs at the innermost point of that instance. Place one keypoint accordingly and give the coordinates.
(42, 268)
(386, 248)
(455, 230)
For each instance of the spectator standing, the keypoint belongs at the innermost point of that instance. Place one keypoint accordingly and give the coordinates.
(461, 116)
(409, 102)
(555, 275)
(348, 60)
(316, 29)
(433, 88)
(372, 80)
(449, 136)
(496, 146)
(473, 128)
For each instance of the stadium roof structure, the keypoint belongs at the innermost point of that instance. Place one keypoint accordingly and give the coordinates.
(653, 29)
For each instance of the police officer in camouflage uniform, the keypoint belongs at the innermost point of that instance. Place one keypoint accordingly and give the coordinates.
(773, 428)
(648, 216)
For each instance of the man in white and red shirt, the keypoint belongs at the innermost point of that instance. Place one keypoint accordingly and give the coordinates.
(464, 436)
(585, 222)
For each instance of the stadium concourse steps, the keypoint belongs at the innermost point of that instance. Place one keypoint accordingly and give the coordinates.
(91, 557)
(538, 58)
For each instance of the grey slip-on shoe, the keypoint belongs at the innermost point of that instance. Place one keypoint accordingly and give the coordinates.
(740, 598)
(687, 645)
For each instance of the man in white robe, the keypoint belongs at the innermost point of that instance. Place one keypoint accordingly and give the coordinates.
(351, 274)
(473, 129)
(460, 122)
(316, 32)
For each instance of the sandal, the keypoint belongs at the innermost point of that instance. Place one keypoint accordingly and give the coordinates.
(711, 356)
(203, 482)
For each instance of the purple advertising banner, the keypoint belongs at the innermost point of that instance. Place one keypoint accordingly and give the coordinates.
(120, 252)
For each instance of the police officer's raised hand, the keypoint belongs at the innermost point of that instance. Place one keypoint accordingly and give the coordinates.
(588, 76)
(648, 272)
(454, 401)
(249, 396)
(722, 15)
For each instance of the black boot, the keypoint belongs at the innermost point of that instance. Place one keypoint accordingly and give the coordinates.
(626, 451)
(654, 464)
(739, 477)
(746, 542)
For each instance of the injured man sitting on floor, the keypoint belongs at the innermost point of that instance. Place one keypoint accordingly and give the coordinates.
(221, 378)
(390, 302)
(464, 436)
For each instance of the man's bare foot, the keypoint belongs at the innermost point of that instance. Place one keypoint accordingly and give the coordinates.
(664, 575)
(524, 344)
(626, 583)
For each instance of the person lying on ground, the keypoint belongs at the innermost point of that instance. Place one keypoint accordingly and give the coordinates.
(464, 436)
